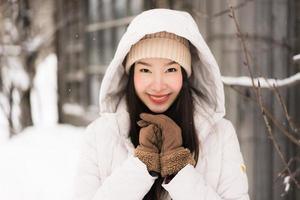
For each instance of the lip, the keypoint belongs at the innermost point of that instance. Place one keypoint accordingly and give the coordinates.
(159, 99)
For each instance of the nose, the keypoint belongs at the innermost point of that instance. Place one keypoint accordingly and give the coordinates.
(158, 83)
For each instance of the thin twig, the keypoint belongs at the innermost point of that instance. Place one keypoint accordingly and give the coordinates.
(238, 6)
(273, 139)
(288, 117)
(257, 92)
(282, 173)
(272, 118)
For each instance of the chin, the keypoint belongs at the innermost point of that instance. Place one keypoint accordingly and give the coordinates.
(158, 109)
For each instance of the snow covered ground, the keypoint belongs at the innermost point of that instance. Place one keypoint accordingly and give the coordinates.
(40, 163)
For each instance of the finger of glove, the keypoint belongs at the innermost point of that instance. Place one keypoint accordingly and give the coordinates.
(143, 123)
(154, 119)
(156, 130)
(158, 135)
(148, 137)
(170, 144)
(171, 132)
(171, 138)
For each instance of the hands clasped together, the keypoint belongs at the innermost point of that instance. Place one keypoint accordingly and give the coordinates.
(160, 145)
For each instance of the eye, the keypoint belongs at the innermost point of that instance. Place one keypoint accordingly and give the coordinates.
(171, 69)
(144, 70)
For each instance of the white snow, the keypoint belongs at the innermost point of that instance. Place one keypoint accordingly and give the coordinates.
(40, 163)
(16, 110)
(264, 82)
(44, 93)
(34, 43)
(4, 132)
(14, 74)
(296, 57)
(73, 109)
(286, 182)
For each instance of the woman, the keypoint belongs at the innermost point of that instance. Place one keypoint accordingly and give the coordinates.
(161, 132)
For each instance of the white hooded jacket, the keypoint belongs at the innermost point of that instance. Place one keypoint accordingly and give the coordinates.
(107, 168)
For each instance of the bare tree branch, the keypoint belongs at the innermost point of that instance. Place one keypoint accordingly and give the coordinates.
(264, 83)
(296, 58)
(273, 119)
(257, 91)
(242, 4)
(220, 13)
(280, 99)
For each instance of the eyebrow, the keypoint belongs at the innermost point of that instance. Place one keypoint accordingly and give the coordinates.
(143, 63)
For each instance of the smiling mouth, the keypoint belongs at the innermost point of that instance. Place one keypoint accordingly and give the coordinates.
(159, 99)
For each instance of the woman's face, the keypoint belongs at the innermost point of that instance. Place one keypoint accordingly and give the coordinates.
(157, 82)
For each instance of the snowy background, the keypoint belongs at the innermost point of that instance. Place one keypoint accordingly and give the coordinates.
(40, 162)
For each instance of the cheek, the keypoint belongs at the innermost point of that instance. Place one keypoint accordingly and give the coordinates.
(176, 84)
(139, 83)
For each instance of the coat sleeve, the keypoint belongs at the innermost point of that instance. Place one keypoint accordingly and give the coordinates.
(232, 183)
(123, 183)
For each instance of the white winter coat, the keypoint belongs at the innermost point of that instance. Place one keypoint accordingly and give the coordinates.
(107, 168)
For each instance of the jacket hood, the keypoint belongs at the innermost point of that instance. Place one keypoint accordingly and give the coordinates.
(205, 70)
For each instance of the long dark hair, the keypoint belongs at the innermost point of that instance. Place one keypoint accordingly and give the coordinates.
(181, 111)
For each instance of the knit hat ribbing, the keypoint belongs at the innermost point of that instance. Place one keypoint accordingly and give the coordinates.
(161, 45)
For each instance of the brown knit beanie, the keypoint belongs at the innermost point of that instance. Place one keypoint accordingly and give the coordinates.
(161, 45)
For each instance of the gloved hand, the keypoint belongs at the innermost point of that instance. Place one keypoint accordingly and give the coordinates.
(173, 157)
(148, 149)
